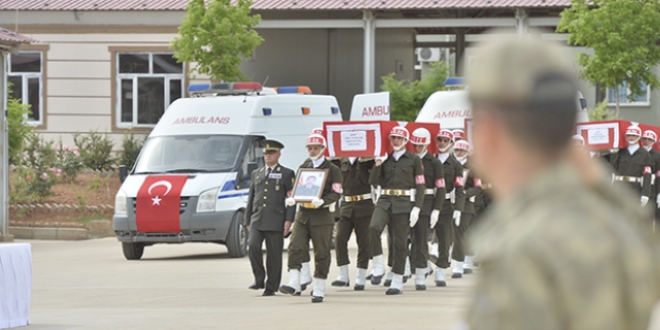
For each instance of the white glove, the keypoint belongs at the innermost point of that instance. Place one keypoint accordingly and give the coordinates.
(414, 216)
(645, 200)
(290, 201)
(613, 151)
(435, 214)
(317, 202)
(380, 160)
(457, 218)
(657, 201)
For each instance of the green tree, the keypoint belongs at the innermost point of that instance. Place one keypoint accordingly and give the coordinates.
(600, 112)
(624, 36)
(217, 36)
(17, 126)
(407, 97)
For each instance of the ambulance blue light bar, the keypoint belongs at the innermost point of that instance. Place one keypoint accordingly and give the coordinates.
(293, 90)
(225, 88)
(455, 81)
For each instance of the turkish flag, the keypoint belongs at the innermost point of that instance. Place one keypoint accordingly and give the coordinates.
(158, 204)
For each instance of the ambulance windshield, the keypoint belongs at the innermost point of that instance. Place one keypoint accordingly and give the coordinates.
(189, 154)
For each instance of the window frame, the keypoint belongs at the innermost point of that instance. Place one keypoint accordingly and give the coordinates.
(25, 76)
(117, 77)
(624, 102)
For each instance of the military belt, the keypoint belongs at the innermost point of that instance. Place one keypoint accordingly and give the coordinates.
(397, 192)
(311, 206)
(357, 198)
(429, 192)
(486, 186)
(625, 178)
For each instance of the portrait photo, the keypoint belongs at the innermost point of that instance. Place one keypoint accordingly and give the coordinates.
(309, 184)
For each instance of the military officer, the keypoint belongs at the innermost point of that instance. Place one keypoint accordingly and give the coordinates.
(268, 218)
(434, 196)
(401, 180)
(561, 249)
(355, 215)
(453, 204)
(472, 188)
(314, 221)
(633, 166)
(649, 138)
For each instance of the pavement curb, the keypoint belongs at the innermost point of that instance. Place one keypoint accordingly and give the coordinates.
(95, 229)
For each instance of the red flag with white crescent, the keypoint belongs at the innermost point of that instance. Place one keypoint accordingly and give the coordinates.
(158, 203)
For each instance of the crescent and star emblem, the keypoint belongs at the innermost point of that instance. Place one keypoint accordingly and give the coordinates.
(163, 183)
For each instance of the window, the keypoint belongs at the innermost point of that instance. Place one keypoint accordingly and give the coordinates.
(24, 73)
(146, 84)
(643, 99)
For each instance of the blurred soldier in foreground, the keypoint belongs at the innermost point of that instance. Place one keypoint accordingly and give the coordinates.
(560, 249)
(649, 138)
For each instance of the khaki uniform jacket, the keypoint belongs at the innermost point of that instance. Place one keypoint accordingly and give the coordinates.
(331, 192)
(636, 165)
(355, 181)
(562, 255)
(405, 173)
(454, 180)
(266, 209)
(434, 177)
(472, 188)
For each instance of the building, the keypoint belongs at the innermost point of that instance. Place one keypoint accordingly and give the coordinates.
(106, 65)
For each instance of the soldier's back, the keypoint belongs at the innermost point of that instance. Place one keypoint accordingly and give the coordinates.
(561, 255)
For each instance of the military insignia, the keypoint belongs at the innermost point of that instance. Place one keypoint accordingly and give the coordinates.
(336, 187)
(277, 188)
(440, 183)
(647, 170)
(278, 168)
(419, 179)
(458, 181)
(275, 176)
(477, 182)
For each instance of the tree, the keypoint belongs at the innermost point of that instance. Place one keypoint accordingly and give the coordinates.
(17, 127)
(624, 36)
(217, 36)
(408, 97)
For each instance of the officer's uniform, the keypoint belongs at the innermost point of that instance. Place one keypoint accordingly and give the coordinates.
(472, 188)
(633, 171)
(434, 196)
(355, 212)
(399, 181)
(266, 213)
(315, 224)
(444, 230)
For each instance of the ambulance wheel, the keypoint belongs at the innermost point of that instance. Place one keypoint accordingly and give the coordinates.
(132, 251)
(237, 239)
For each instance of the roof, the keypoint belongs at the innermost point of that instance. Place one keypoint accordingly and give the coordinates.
(11, 37)
(279, 4)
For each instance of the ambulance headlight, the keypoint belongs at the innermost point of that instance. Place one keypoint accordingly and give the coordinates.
(120, 203)
(207, 199)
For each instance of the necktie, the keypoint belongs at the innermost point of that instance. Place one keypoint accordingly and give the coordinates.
(268, 173)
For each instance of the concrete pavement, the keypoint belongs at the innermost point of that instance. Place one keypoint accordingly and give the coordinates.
(89, 285)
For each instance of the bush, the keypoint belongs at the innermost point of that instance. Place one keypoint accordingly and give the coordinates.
(37, 153)
(96, 150)
(408, 97)
(31, 185)
(131, 146)
(68, 162)
(18, 128)
(600, 112)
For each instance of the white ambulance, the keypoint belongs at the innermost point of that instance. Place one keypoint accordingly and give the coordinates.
(190, 182)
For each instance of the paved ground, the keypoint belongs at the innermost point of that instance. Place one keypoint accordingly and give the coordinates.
(89, 285)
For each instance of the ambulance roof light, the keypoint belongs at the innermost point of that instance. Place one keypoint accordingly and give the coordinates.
(293, 90)
(455, 81)
(225, 88)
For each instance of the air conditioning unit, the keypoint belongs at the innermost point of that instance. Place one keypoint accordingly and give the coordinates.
(426, 54)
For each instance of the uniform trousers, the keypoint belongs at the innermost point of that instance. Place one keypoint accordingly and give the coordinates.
(444, 232)
(398, 226)
(274, 245)
(317, 226)
(461, 248)
(345, 226)
(419, 249)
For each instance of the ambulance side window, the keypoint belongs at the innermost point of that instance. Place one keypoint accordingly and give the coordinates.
(253, 154)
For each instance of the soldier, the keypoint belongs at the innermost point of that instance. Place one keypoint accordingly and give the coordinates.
(632, 165)
(314, 221)
(355, 215)
(401, 178)
(268, 218)
(472, 188)
(434, 178)
(453, 204)
(649, 138)
(560, 249)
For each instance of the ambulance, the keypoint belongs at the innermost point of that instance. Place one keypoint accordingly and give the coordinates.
(190, 182)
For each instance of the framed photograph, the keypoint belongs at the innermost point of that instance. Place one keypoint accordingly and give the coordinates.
(309, 184)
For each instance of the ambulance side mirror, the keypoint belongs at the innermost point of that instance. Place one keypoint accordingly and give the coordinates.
(123, 173)
(251, 167)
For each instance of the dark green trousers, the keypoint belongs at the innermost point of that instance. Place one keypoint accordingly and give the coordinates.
(398, 226)
(345, 226)
(304, 230)
(460, 242)
(444, 232)
(274, 245)
(419, 249)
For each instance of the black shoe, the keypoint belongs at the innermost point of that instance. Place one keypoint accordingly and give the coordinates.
(430, 272)
(433, 258)
(467, 271)
(375, 280)
(475, 264)
(317, 299)
(420, 287)
(405, 278)
(358, 287)
(297, 294)
(369, 277)
(456, 275)
(268, 293)
(340, 283)
(440, 283)
(391, 292)
(304, 286)
(256, 286)
(285, 289)
(387, 283)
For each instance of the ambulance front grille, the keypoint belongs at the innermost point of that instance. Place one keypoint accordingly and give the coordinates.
(182, 206)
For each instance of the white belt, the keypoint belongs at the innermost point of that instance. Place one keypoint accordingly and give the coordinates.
(625, 178)
(311, 206)
(356, 198)
(399, 192)
(429, 192)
